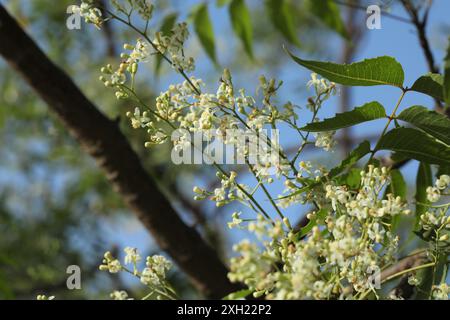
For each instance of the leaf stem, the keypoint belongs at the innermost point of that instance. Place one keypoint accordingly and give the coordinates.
(390, 118)
(395, 275)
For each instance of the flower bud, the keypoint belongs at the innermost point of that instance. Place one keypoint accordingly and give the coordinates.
(197, 190)
(134, 68)
(287, 223)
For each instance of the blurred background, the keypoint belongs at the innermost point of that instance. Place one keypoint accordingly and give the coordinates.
(56, 206)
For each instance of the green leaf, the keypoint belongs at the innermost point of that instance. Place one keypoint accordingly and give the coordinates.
(433, 123)
(241, 294)
(398, 188)
(352, 179)
(398, 185)
(423, 181)
(354, 156)
(204, 29)
(166, 26)
(443, 170)
(447, 77)
(281, 14)
(242, 26)
(328, 12)
(320, 215)
(426, 277)
(417, 145)
(369, 111)
(369, 72)
(430, 84)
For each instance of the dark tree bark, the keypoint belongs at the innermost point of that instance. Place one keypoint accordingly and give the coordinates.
(103, 140)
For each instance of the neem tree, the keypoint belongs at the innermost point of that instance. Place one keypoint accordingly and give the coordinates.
(349, 246)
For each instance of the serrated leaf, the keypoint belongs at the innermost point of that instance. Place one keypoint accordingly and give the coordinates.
(166, 26)
(369, 72)
(241, 23)
(415, 144)
(430, 84)
(446, 82)
(204, 30)
(424, 179)
(367, 112)
(435, 124)
(282, 17)
(354, 156)
(328, 12)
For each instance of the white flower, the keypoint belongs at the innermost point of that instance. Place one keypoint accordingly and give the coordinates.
(321, 86)
(89, 13)
(119, 295)
(132, 256)
(173, 46)
(441, 292)
(145, 8)
(376, 232)
(433, 194)
(236, 222)
(159, 264)
(114, 266)
(325, 140)
(110, 264)
(155, 271)
(337, 195)
(138, 120)
(149, 277)
(443, 182)
(44, 297)
(140, 52)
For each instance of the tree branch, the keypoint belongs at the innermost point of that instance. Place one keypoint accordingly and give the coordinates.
(103, 140)
(405, 263)
(420, 23)
(403, 288)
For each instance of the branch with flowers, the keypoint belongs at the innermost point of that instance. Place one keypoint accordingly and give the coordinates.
(350, 247)
(351, 233)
